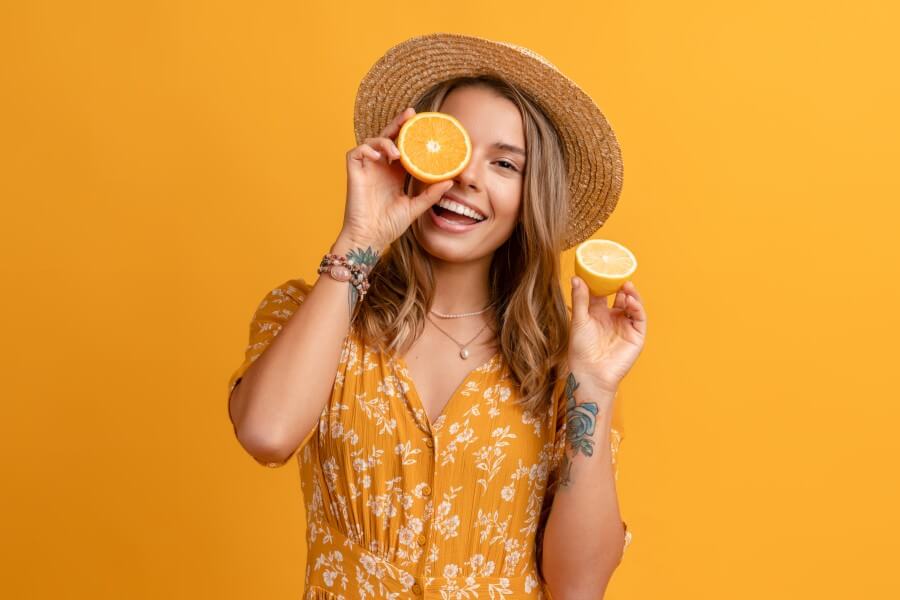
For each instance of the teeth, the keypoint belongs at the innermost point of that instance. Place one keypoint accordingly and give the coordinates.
(460, 209)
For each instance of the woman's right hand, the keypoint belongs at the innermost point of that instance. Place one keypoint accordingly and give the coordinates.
(377, 212)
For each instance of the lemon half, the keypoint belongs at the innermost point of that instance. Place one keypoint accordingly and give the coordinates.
(604, 265)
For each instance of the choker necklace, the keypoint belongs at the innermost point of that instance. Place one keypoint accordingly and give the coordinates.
(458, 315)
(463, 350)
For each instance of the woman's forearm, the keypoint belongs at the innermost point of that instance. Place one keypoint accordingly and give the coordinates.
(279, 399)
(584, 534)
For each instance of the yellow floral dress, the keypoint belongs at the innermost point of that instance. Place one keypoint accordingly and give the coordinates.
(398, 507)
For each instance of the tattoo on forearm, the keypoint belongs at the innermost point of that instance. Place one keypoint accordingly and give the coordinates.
(580, 422)
(368, 258)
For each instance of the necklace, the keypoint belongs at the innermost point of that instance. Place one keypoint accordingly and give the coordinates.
(463, 350)
(458, 315)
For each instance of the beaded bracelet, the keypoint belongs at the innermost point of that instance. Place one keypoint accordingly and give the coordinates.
(341, 269)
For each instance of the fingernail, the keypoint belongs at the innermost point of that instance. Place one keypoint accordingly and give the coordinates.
(574, 281)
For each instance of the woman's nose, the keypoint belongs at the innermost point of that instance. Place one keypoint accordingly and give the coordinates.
(470, 176)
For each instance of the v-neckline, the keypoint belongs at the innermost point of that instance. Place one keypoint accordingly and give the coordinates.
(404, 369)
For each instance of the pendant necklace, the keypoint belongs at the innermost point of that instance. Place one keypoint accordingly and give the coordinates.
(463, 350)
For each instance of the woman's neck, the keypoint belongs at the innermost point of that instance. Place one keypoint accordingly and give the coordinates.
(461, 287)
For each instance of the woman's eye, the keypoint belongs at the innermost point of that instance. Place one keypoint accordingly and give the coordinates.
(508, 163)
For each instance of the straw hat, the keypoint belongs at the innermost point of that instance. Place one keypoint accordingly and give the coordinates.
(593, 159)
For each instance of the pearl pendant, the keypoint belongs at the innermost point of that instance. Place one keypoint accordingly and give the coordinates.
(464, 353)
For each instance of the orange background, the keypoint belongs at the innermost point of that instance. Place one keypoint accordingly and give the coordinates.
(164, 164)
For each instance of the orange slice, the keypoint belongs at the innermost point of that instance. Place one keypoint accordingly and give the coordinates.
(604, 265)
(434, 146)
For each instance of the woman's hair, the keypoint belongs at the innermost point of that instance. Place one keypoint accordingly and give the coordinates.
(524, 273)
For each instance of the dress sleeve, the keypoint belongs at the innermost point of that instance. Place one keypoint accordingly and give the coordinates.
(616, 435)
(271, 314)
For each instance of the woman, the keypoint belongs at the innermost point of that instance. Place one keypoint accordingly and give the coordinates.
(465, 446)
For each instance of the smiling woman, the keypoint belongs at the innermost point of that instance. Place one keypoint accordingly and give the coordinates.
(436, 457)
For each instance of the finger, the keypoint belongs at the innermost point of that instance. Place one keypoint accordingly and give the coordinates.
(393, 128)
(634, 310)
(639, 316)
(385, 146)
(621, 295)
(430, 196)
(580, 298)
(631, 289)
(362, 152)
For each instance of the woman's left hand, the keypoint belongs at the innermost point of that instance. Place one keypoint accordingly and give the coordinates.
(604, 341)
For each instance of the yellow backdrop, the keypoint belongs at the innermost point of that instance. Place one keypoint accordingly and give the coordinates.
(164, 164)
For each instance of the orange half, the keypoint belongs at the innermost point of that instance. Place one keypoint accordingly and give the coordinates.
(434, 146)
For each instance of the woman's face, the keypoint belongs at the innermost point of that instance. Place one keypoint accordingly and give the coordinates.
(491, 183)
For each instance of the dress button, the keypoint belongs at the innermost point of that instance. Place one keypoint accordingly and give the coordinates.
(429, 443)
(416, 588)
(426, 491)
(421, 539)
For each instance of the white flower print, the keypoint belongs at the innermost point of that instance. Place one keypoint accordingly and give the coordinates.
(407, 452)
(492, 529)
(489, 458)
(405, 536)
(513, 549)
(332, 565)
(367, 562)
(499, 589)
(392, 386)
(464, 436)
(415, 524)
(445, 523)
(379, 410)
(528, 418)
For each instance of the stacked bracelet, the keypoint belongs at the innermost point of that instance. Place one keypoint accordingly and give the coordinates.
(341, 269)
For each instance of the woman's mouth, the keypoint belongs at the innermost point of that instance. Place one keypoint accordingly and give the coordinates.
(452, 222)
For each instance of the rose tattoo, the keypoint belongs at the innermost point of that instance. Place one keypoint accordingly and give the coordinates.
(580, 422)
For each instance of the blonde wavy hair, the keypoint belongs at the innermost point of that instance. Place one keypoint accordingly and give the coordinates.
(524, 274)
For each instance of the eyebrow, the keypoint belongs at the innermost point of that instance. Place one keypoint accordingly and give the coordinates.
(509, 148)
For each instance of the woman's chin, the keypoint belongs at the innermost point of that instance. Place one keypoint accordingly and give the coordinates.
(446, 250)
(441, 246)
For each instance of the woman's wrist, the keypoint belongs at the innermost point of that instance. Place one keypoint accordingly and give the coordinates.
(346, 244)
(592, 379)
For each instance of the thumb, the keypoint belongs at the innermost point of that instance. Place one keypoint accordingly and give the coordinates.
(580, 300)
(430, 196)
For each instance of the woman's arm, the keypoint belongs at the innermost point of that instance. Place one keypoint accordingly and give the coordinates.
(281, 395)
(584, 535)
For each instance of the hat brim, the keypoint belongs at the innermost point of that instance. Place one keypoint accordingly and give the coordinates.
(594, 160)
